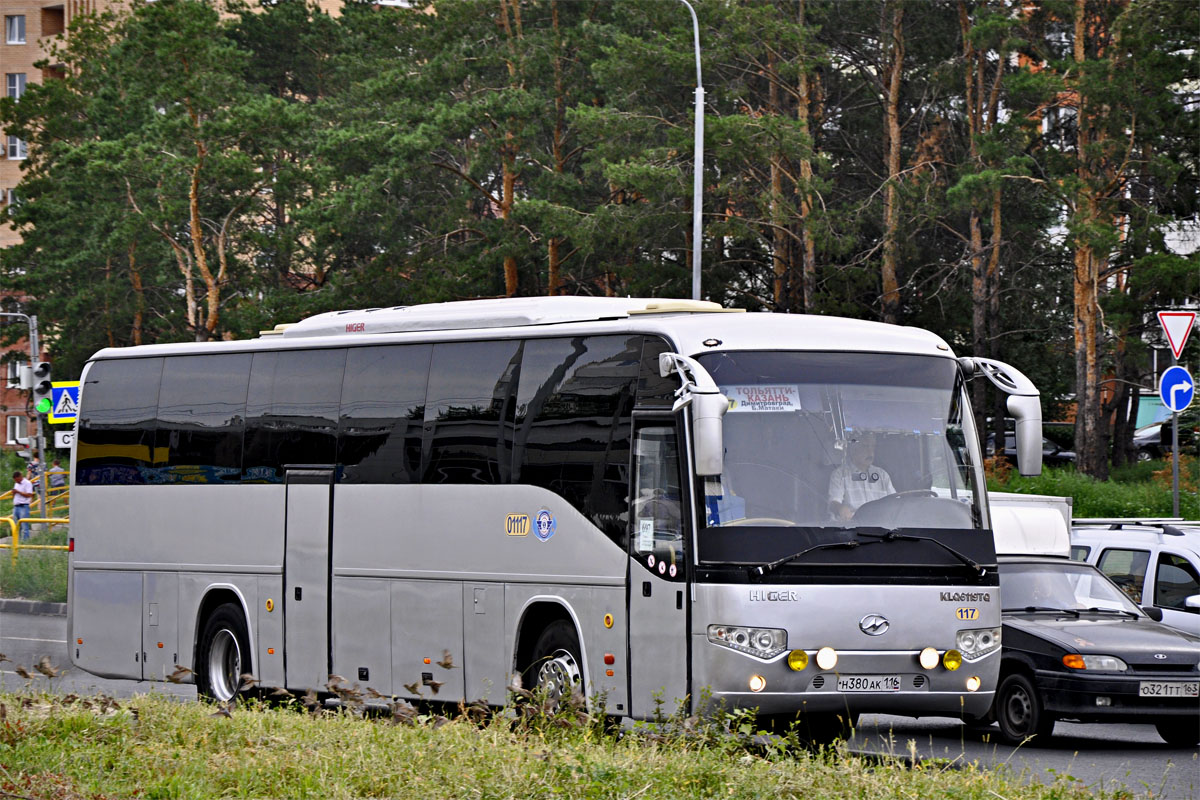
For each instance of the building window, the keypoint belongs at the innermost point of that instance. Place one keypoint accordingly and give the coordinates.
(16, 429)
(13, 371)
(16, 84)
(14, 29)
(17, 148)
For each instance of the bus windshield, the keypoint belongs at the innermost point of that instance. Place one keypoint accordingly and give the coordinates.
(844, 440)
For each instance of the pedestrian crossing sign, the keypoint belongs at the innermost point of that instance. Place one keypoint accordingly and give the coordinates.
(64, 400)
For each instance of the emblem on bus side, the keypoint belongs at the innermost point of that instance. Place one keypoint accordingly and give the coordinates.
(517, 525)
(546, 525)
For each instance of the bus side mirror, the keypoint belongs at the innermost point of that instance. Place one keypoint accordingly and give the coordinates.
(1024, 403)
(707, 405)
(708, 432)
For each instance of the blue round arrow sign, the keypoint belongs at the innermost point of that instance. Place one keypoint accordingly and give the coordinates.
(1176, 388)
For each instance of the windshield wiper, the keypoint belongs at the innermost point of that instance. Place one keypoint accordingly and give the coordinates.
(1033, 609)
(896, 536)
(779, 562)
(1097, 610)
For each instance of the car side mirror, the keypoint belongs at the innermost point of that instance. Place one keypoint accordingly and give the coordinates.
(1192, 602)
(1153, 613)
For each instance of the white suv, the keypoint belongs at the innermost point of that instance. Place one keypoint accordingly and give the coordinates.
(1156, 562)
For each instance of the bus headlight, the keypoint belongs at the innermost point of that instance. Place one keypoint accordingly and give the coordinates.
(977, 642)
(757, 642)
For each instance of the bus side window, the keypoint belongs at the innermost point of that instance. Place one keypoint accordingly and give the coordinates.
(291, 411)
(573, 419)
(117, 423)
(383, 413)
(201, 417)
(467, 407)
(657, 507)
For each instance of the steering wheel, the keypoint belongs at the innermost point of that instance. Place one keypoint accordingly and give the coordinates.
(909, 493)
(758, 521)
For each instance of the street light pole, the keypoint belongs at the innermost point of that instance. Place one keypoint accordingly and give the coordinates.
(698, 175)
(35, 357)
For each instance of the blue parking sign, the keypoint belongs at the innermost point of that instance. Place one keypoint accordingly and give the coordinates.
(1176, 388)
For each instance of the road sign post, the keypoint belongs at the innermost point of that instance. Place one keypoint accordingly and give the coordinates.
(1176, 389)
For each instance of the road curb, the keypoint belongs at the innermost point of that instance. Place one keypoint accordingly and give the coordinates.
(33, 607)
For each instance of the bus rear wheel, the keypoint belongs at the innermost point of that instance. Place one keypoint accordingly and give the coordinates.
(556, 667)
(224, 654)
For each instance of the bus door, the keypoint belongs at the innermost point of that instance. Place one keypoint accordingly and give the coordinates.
(658, 572)
(306, 568)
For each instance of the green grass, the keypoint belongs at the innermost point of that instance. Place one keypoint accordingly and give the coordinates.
(151, 747)
(1133, 491)
(38, 574)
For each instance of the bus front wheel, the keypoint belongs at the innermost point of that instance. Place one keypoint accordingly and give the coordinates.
(556, 661)
(224, 654)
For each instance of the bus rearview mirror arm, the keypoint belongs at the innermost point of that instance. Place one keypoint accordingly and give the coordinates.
(1024, 403)
(700, 394)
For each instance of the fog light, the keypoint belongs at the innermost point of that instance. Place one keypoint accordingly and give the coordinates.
(757, 683)
(929, 657)
(973, 683)
(952, 660)
(798, 660)
(1104, 701)
(827, 658)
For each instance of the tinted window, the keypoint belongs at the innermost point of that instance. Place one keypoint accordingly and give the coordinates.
(658, 541)
(468, 403)
(291, 411)
(383, 411)
(573, 419)
(201, 417)
(653, 389)
(116, 423)
(1175, 580)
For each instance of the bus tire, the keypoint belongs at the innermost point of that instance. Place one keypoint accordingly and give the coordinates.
(556, 669)
(224, 654)
(1020, 712)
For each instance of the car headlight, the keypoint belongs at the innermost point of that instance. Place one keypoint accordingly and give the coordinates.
(758, 642)
(1099, 663)
(977, 642)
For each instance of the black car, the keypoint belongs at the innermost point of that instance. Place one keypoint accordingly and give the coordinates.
(1076, 648)
(1052, 453)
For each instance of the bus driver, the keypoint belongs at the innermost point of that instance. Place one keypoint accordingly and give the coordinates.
(857, 481)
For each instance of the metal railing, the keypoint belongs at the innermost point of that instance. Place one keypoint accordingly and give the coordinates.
(16, 546)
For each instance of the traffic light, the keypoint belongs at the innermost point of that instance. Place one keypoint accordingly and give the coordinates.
(42, 402)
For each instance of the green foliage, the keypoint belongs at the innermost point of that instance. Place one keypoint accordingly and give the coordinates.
(38, 574)
(1134, 492)
(153, 747)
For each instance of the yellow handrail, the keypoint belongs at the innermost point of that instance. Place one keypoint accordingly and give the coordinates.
(15, 543)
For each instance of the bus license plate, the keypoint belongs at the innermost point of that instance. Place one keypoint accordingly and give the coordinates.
(868, 683)
(1164, 689)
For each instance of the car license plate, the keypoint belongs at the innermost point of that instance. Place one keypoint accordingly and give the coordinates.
(1164, 689)
(868, 683)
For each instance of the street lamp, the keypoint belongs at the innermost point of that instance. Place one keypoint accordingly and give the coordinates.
(698, 176)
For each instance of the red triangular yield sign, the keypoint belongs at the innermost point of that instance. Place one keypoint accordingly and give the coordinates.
(1177, 325)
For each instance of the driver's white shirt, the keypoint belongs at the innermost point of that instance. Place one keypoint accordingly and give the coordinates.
(872, 484)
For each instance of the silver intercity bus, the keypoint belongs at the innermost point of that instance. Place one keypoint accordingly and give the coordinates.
(646, 500)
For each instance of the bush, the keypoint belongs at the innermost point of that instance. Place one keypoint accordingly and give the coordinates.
(1136, 491)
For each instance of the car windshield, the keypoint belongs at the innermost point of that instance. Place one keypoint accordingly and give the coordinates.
(841, 440)
(1065, 586)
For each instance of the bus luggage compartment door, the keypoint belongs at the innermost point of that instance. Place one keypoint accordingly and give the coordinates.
(306, 577)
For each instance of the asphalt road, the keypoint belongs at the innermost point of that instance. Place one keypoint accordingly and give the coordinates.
(1100, 756)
